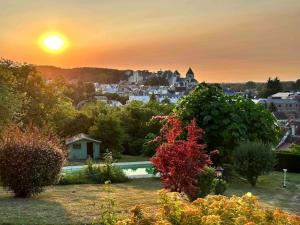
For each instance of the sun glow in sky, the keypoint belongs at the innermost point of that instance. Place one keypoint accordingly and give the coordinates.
(53, 42)
(223, 41)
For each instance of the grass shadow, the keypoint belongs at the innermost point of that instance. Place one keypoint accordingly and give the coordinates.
(269, 190)
(31, 211)
(147, 184)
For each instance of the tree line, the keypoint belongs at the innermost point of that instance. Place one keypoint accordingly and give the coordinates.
(28, 99)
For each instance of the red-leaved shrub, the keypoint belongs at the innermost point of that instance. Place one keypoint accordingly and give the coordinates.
(29, 161)
(180, 161)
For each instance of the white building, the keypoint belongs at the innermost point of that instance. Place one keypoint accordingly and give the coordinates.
(106, 88)
(144, 98)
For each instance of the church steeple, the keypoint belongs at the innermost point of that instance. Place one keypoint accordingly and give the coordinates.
(177, 73)
(190, 73)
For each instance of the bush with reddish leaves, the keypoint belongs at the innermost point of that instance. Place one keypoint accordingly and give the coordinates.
(29, 161)
(179, 160)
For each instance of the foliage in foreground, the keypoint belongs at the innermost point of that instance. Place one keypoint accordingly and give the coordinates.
(213, 210)
(108, 214)
(180, 161)
(252, 159)
(29, 161)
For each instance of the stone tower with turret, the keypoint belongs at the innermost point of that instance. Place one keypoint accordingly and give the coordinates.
(190, 74)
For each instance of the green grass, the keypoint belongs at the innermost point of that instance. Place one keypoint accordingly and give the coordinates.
(124, 158)
(79, 204)
(75, 204)
(270, 190)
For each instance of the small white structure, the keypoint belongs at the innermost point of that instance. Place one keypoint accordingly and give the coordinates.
(282, 95)
(115, 103)
(144, 99)
(135, 78)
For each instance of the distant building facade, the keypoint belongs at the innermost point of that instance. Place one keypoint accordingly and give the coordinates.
(174, 78)
(286, 105)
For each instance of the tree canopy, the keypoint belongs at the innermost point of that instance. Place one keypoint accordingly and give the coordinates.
(271, 87)
(227, 120)
(28, 99)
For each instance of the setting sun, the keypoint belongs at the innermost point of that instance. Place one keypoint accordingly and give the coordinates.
(53, 42)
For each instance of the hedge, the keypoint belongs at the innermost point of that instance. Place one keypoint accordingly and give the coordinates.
(288, 161)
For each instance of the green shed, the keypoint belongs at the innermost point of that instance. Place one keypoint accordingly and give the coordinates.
(81, 147)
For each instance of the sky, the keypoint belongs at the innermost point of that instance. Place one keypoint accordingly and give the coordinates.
(221, 40)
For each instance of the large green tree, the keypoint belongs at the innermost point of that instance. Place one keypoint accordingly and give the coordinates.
(227, 120)
(271, 87)
(10, 98)
(135, 119)
(250, 85)
(81, 123)
(25, 93)
(107, 128)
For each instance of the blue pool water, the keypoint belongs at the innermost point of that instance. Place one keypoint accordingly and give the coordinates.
(131, 169)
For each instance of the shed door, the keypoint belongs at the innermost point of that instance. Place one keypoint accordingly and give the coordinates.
(90, 150)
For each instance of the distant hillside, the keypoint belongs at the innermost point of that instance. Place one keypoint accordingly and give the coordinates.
(86, 74)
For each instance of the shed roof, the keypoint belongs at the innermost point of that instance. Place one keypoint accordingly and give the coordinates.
(79, 137)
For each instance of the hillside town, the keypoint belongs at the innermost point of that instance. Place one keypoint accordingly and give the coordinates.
(171, 86)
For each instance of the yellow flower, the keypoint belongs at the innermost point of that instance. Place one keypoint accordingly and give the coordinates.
(211, 220)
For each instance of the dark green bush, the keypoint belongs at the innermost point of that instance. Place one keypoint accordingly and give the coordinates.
(205, 181)
(295, 149)
(79, 177)
(220, 186)
(107, 172)
(29, 161)
(229, 172)
(150, 146)
(287, 160)
(252, 159)
(98, 175)
(101, 174)
(95, 173)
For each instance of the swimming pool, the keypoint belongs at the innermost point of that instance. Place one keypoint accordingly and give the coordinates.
(138, 170)
(132, 170)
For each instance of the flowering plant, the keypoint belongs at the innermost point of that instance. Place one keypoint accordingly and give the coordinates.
(213, 210)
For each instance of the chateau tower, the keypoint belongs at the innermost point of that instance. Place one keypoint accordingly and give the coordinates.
(190, 74)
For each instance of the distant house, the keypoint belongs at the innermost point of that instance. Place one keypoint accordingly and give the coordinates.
(292, 135)
(282, 95)
(81, 147)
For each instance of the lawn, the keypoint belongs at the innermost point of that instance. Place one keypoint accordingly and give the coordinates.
(75, 204)
(270, 191)
(79, 204)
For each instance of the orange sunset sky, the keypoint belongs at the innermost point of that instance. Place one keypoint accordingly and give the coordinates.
(222, 40)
